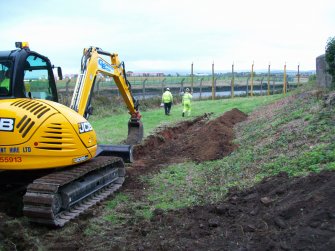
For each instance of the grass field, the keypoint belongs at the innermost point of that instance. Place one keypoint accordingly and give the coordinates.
(112, 129)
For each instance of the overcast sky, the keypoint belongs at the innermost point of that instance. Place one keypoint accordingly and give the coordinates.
(168, 35)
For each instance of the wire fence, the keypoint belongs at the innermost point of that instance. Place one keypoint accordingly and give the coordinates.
(202, 87)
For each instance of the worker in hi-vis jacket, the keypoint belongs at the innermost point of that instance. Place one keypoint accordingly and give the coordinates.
(186, 101)
(167, 100)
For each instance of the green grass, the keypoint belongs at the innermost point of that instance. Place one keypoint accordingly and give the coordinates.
(321, 156)
(123, 208)
(113, 215)
(112, 129)
(170, 188)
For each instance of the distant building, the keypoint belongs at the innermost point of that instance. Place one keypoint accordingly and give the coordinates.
(129, 73)
(145, 74)
(70, 76)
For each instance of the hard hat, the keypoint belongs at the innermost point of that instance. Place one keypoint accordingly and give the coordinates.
(187, 89)
(168, 89)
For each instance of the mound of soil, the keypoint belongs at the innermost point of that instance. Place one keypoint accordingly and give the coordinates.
(197, 140)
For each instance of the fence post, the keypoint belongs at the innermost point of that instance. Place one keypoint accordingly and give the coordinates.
(163, 85)
(213, 90)
(98, 86)
(248, 86)
(252, 80)
(182, 85)
(273, 85)
(284, 83)
(232, 81)
(215, 79)
(67, 91)
(200, 87)
(269, 80)
(192, 77)
(144, 87)
(298, 75)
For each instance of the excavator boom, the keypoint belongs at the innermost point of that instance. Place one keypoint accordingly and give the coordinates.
(95, 61)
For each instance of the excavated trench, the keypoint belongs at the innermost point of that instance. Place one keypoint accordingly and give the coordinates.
(197, 140)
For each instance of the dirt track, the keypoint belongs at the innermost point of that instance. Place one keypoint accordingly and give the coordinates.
(277, 214)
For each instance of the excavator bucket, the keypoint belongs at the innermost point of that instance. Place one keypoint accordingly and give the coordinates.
(123, 151)
(135, 132)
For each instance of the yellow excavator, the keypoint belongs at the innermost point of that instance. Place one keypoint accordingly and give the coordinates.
(55, 144)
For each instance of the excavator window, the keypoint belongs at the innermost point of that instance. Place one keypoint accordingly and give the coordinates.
(5, 78)
(37, 78)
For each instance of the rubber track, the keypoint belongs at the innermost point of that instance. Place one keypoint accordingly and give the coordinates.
(39, 198)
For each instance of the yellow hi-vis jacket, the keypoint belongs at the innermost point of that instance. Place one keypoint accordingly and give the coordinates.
(187, 98)
(167, 97)
(5, 83)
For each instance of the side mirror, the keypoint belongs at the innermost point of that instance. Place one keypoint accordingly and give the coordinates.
(90, 110)
(59, 72)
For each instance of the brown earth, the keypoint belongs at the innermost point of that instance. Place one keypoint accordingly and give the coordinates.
(277, 214)
(280, 213)
(197, 140)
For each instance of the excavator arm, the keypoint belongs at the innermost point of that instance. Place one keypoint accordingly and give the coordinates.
(94, 62)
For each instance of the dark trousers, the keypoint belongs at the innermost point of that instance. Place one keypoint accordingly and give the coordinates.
(167, 108)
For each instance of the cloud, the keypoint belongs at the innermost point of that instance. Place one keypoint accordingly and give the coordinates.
(169, 35)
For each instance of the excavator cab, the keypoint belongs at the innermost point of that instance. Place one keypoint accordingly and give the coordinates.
(26, 74)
